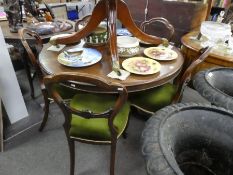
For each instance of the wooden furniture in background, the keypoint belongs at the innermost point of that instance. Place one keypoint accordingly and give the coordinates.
(14, 39)
(191, 47)
(184, 16)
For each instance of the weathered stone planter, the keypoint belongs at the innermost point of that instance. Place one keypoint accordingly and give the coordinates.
(216, 85)
(189, 139)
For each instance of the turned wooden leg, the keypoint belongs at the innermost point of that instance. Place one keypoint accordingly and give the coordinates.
(72, 156)
(125, 133)
(113, 152)
(46, 110)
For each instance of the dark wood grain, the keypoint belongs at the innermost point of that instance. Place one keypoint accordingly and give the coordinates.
(169, 69)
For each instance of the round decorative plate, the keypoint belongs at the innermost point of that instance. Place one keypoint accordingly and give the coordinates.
(123, 32)
(46, 28)
(141, 65)
(88, 57)
(160, 53)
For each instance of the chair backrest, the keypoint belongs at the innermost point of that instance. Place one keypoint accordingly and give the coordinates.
(72, 81)
(59, 11)
(33, 45)
(187, 73)
(81, 22)
(146, 24)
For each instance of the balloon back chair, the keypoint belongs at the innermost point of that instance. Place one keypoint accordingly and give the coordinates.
(160, 20)
(91, 117)
(151, 100)
(33, 45)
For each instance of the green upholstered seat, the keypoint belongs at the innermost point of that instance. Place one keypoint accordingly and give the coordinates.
(96, 129)
(153, 99)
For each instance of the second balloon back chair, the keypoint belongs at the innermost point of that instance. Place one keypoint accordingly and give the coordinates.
(151, 100)
(33, 44)
(91, 117)
(159, 20)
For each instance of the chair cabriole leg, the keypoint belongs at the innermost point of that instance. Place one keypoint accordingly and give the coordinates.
(113, 153)
(46, 110)
(72, 155)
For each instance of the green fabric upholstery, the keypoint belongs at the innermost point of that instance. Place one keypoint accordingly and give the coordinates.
(96, 129)
(153, 99)
(65, 92)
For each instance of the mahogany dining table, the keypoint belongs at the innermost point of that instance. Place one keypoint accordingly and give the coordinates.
(169, 69)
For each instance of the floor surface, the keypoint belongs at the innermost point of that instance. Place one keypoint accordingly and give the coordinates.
(29, 152)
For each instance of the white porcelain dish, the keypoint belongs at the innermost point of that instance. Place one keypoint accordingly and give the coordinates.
(88, 57)
(123, 32)
(127, 46)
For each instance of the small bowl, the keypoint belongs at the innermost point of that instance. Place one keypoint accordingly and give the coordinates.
(98, 37)
(127, 46)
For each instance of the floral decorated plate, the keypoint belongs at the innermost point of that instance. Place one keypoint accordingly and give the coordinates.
(160, 53)
(141, 65)
(88, 57)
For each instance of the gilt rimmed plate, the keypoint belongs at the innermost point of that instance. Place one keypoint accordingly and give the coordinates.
(88, 57)
(141, 65)
(160, 53)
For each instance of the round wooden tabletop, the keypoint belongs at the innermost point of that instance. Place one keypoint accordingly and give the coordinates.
(169, 69)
